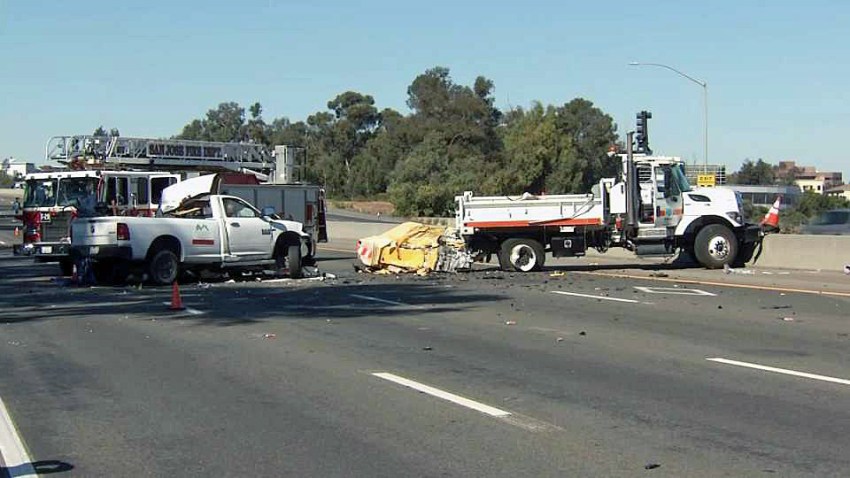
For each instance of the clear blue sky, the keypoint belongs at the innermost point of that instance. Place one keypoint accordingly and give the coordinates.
(778, 72)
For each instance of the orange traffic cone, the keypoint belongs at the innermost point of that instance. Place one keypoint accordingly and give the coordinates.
(17, 231)
(771, 219)
(75, 279)
(176, 301)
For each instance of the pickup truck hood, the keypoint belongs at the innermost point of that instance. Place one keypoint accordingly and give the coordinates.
(174, 195)
(284, 225)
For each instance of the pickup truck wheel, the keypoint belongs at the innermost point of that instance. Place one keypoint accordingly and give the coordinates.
(715, 246)
(523, 255)
(163, 267)
(293, 259)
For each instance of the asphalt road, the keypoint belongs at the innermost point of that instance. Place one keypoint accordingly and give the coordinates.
(583, 374)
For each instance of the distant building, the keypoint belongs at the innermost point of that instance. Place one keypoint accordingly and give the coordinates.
(808, 178)
(17, 170)
(766, 195)
(840, 191)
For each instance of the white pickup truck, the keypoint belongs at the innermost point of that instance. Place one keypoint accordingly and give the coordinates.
(206, 232)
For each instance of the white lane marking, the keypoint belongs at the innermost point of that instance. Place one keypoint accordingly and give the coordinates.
(16, 460)
(674, 291)
(785, 371)
(383, 301)
(456, 399)
(601, 297)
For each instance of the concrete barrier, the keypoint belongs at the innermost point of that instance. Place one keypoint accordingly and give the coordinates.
(786, 251)
(795, 251)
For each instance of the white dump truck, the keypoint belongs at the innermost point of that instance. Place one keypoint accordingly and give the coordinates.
(650, 209)
(205, 232)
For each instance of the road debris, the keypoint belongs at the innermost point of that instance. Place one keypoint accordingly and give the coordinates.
(427, 349)
(787, 319)
(557, 274)
(651, 466)
(413, 247)
(559, 339)
(510, 322)
(582, 333)
(269, 335)
(658, 274)
(732, 270)
(847, 269)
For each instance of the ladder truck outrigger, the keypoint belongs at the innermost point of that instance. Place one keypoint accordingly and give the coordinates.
(649, 209)
(129, 175)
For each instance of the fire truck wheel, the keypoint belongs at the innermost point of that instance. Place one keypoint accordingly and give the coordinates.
(163, 267)
(715, 246)
(522, 255)
(66, 266)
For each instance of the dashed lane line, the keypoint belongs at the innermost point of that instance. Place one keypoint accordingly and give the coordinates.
(13, 453)
(785, 371)
(600, 297)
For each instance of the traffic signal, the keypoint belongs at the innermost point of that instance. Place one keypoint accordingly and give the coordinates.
(642, 133)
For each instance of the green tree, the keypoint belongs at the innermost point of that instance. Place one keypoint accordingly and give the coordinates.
(591, 133)
(224, 123)
(758, 173)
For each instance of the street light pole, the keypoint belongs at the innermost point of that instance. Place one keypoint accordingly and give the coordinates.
(704, 85)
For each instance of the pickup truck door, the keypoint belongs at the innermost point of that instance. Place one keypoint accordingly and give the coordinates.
(248, 234)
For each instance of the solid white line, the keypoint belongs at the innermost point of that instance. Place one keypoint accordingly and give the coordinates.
(785, 371)
(383, 301)
(14, 453)
(602, 297)
(457, 399)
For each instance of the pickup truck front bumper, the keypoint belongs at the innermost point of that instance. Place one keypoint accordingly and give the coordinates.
(106, 252)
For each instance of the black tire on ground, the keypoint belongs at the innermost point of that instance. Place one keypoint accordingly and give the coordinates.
(163, 267)
(521, 255)
(66, 266)
(745, 254)
(293, 259)
(102, 271)
(715, 246)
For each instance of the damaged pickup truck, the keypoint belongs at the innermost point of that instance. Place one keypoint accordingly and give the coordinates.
(205, 232)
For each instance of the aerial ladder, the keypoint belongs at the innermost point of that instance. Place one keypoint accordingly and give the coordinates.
(280, 165)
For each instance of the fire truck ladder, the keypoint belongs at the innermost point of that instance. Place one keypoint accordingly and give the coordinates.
(165, 154)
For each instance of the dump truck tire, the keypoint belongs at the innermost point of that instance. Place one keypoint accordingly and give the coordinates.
(715, 246)
(521, 255)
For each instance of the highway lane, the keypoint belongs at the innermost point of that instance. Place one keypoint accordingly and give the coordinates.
(277, 378)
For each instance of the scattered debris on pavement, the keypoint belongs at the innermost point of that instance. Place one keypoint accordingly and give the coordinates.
(269, 335)
(651, 466)
(732, 270)
(510, 322)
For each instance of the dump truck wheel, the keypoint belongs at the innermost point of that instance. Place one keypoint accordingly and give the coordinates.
(522, 255)
(745, 254)
(715, 246)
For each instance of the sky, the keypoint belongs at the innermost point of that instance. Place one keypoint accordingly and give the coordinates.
(777, 71)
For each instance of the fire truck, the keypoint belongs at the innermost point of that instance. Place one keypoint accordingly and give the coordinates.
(52, 200)
(129, 175)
